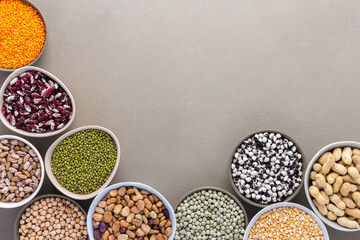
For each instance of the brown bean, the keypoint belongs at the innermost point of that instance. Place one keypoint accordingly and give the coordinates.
(107, 217)
(122, 191)
(116, 226)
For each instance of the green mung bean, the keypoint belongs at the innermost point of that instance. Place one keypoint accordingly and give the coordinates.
(83, 162)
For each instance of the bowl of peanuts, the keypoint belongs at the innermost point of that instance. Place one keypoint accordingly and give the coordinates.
(286, 220)
(332, 185)
(23, 37)
(130, 210)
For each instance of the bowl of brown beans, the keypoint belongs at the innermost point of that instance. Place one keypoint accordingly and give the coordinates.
(286, 220)
(130, 210)
(51, 216)
(23, 36)
(22, 171)
(35, 103)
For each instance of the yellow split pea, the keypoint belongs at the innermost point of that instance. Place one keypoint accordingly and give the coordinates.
(288, 223)
(22, 34)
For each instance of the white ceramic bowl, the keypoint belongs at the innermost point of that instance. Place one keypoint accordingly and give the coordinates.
(28, 199)
(307, 182)
(285, 204)
(103, 193)
(46, 37)
(31, 134)
(56, 183)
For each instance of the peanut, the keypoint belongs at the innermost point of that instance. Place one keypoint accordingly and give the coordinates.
(356, 159)
(324, 157)
(337, 201)
(349, 202)
(317, 167)
(330, 215)
(338, 212)
(325, 196)
(337, 184)
(356, 151)
(346, 155)
(337, 154)
(339, 168)
(322, 208)
(346, 188)
(313, 175)
(331, 177)
(314, 183)
(346, 222)
(330, 161)
(315, 193)
(353, 172)
(348, 178)
(356, 197)
(353, 212)
(320, 180)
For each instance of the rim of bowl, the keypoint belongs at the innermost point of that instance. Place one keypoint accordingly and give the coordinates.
(138, 185)
(286, 204)
(48, 158)
(17, 223)
(219, 190)
(50, 75)
(331, 146)
(46, 38)
(32, 195)
(303, 168)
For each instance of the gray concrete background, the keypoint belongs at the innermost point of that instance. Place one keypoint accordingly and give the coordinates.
(181, 82)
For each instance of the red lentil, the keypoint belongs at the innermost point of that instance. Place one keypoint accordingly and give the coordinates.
(288, 223)
(22, 34)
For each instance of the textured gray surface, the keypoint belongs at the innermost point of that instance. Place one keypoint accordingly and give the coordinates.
(181, 82)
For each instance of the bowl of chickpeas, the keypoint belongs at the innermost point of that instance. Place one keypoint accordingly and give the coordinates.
(51, 216)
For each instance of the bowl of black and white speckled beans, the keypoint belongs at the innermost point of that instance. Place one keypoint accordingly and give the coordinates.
(267, 167)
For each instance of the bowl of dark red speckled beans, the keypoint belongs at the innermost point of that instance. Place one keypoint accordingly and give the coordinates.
(267, 167)
(35, 103)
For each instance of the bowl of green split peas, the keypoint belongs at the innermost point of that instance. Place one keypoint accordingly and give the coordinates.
(210, 213)
(82, 162)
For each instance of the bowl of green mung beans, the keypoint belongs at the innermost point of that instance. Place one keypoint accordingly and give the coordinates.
(83, 161)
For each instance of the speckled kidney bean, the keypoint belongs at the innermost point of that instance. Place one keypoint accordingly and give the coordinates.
(20, 170)
(34, 102)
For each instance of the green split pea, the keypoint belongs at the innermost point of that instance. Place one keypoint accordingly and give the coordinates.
(83, 162)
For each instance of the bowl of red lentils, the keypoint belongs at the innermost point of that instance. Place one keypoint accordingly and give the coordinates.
(23, 34)
(286, 220)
